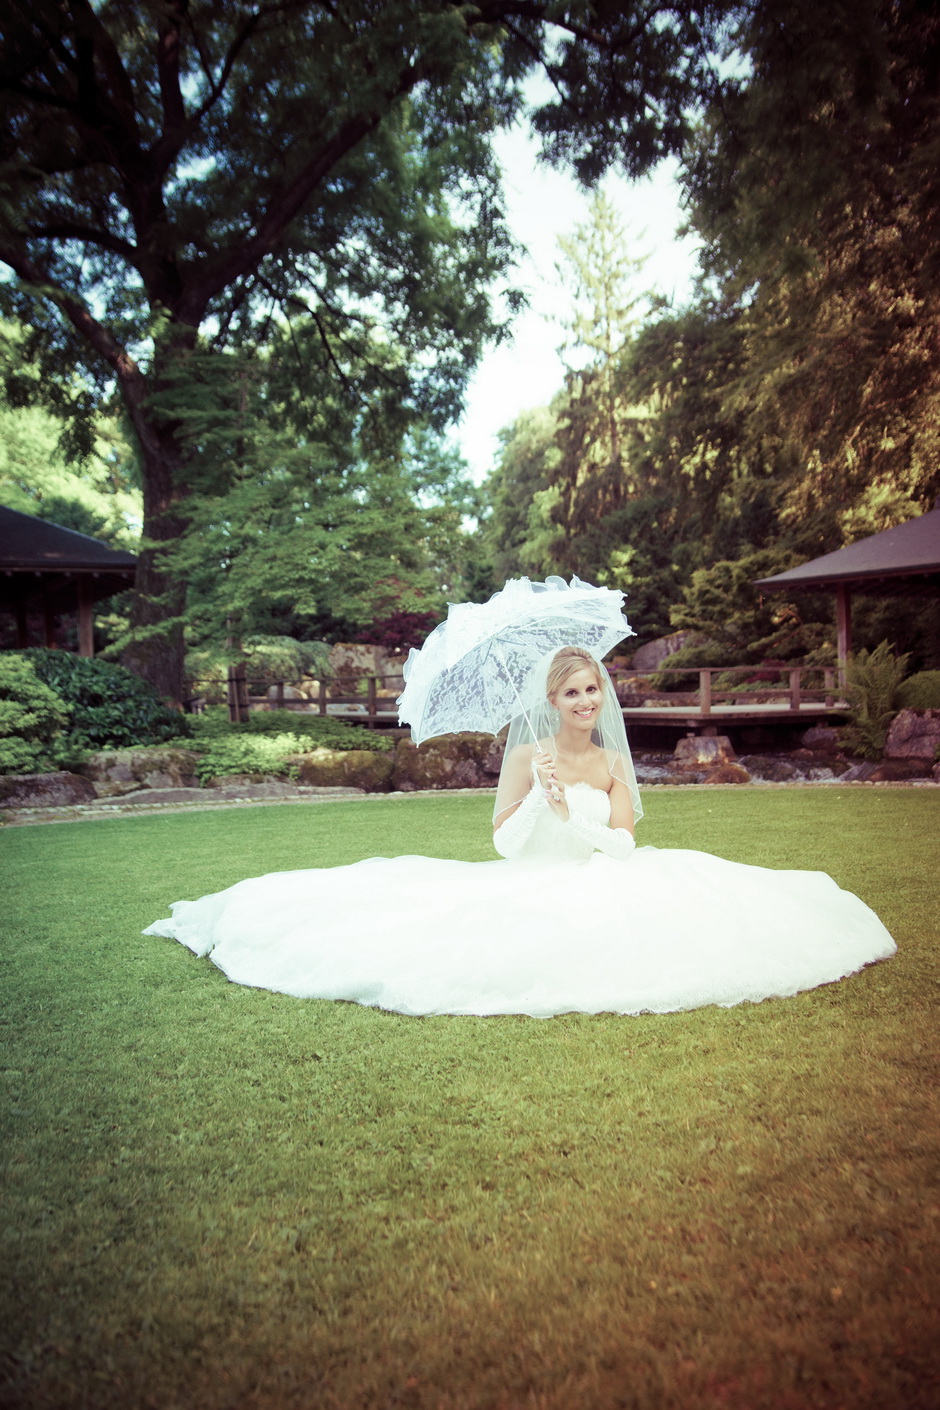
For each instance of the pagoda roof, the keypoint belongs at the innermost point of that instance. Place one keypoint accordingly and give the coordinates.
(909, 550)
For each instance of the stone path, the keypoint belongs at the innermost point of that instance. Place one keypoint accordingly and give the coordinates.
(149, 801)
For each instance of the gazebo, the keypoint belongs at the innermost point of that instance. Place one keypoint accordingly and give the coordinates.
(903, 561)
(54, 571)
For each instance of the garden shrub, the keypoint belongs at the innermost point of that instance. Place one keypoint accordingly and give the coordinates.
(872, 682)
(316, 731)
(251, 754)
(920, 692)
(31, 718)
(109, 707)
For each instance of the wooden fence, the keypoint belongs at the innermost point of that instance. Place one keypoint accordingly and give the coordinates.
(371, 699)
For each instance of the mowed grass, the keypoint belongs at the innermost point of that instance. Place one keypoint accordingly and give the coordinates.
(221, 1197)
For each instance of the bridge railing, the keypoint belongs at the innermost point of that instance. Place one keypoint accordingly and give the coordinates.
(792, 686)
(371, 699)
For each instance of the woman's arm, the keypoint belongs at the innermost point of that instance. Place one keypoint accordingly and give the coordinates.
(616, 840)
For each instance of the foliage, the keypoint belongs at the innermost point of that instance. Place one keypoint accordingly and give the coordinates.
(399, 629)
(108, 706)
(814, 184)
(266, 658)
(98, 495)
(872, 682)
(919, 692)
(269, 741)
(32, 716)
(269, 1179)
(315, 731)
(251, 754)
(220, 178)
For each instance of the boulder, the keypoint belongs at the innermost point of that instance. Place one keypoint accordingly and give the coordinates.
(914, 734)
(145, 767)
(769, 769)
(453, 761)
(366, 769)
(44, 790)
(727, 773)
(859, 773)
(821, 739)
(654, 653)
(900, 770)
(707, 751)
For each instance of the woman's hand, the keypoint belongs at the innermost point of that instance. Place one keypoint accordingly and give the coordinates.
(544, 768)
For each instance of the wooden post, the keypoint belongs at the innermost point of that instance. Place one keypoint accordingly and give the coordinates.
(795, 674)
(321, 699)
(48, 624)
(280, 695)
(372, 706)
(843, 627)
(829, 685)
(86, 626)
(705, 691)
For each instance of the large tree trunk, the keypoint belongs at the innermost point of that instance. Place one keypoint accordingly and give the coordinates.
(159, 594)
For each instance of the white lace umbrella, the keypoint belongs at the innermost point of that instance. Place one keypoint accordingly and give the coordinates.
(470, 673)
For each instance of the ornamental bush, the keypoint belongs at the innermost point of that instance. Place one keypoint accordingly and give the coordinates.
(250, 754)
(314, 731)
(109, 707)
(920, 691)
(31, 718)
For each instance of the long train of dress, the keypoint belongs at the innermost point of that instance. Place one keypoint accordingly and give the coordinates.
(561, 930)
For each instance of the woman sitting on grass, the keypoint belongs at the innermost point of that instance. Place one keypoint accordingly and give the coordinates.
(578, 919)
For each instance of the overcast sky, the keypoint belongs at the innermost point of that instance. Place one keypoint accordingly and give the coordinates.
(541, 205)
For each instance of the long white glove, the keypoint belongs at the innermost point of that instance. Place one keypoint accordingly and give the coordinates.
(614, 842)
(512, 835)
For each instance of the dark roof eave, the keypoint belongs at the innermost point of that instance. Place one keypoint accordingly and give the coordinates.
(795, 579)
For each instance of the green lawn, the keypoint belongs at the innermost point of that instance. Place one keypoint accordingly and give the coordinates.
(220, 1197)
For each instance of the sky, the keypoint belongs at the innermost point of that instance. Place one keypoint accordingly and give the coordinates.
(542, 204)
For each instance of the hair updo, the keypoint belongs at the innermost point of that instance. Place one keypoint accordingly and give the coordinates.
(564, 664)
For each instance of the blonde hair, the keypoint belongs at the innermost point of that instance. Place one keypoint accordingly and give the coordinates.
(564, 664)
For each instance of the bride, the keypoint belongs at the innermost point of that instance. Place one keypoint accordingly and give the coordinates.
(576, 918)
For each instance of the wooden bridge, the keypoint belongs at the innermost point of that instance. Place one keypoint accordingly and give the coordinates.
(791, 694)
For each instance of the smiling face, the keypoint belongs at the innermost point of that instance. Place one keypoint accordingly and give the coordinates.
(579, 698)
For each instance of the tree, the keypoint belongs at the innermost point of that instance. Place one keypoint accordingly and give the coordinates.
(815, 184)
(98, 495)
(176, 172)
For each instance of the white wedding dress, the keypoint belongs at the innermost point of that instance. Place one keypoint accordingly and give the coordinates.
(563, 929)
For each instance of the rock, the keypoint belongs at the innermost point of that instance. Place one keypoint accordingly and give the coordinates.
(821, 739)
(859, 773)
(900, 770)
(654, 653)
(769, 769)
(914, 734)
(453, 761)
(366, 769)
(727, 773)
(703, 750)
(116, 789)
(146, 767)
(158, 797)
(45, 790)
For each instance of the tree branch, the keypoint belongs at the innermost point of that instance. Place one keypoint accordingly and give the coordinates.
(95, 333)
(70, 230)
